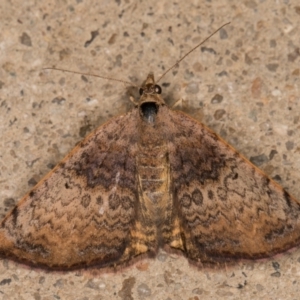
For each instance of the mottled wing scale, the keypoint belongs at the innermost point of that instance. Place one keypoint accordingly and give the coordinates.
(226, 207)
(85, 211)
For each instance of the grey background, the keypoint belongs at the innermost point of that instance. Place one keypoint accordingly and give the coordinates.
(244, 84)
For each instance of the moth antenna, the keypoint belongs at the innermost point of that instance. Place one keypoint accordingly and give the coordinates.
(184, 56)
(94, 75)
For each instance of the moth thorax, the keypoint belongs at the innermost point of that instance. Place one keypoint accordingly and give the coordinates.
(148, 111)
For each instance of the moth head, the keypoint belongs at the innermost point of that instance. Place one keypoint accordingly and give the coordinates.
(150, 91)
(153, 89)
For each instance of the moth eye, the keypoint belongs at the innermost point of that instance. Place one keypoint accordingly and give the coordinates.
(157, 89)
(141, 91)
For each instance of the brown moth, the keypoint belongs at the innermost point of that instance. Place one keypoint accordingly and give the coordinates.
(167, 181)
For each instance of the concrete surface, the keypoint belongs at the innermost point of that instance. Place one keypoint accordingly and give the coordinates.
(243, 83)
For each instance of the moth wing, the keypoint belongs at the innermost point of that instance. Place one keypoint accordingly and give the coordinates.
(226, 207)
(82, 213)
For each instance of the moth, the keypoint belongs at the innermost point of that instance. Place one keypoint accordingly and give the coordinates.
(152, 178)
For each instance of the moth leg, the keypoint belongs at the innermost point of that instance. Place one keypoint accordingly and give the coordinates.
(180, 104)
(131, 98)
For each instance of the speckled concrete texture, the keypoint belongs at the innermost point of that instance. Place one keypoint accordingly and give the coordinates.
(243, 83)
